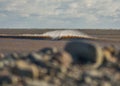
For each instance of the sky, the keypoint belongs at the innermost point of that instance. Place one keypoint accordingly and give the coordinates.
(79, 14)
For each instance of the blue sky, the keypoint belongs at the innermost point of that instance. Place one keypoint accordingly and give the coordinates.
(60, 14)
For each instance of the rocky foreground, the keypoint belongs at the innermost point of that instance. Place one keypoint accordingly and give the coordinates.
(54, 67)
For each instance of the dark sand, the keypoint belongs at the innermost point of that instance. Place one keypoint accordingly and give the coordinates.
(8, 45)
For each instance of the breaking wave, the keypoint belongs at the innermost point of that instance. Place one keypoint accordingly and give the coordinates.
(65, 33)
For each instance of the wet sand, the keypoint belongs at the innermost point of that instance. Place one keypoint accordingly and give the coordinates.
(8, 45)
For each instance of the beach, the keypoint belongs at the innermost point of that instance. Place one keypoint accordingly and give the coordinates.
(80, 62)
(27, 45)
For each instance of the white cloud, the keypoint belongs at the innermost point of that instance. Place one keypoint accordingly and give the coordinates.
(28, 7)
(95, 9)
(89, 3)
(2, 15)
(90, 10)
(108, 8)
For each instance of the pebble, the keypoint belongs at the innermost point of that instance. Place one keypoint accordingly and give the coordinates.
(15, 55)
(38, 83)
(94, 73)
(51, 67)
(64, 58)
(25, 70)
(49, 51)
(35, 56)
(106, 84)
(2, 55)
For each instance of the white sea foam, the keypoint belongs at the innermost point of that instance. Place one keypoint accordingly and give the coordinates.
(64, 33)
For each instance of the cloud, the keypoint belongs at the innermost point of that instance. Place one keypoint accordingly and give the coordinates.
(91, 11)
(2, 15)
(95, 9)
(49, 7)
(29, 7)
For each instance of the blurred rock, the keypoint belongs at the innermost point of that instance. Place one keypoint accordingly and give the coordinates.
(5, 77)
(84, 52)
(111, 49)
(34, 56)
(2, 55)
(118, 55)
(15, 56)
(52, 67)
(38, 83)
(48, 51)
(63, 58)
(24, 69)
